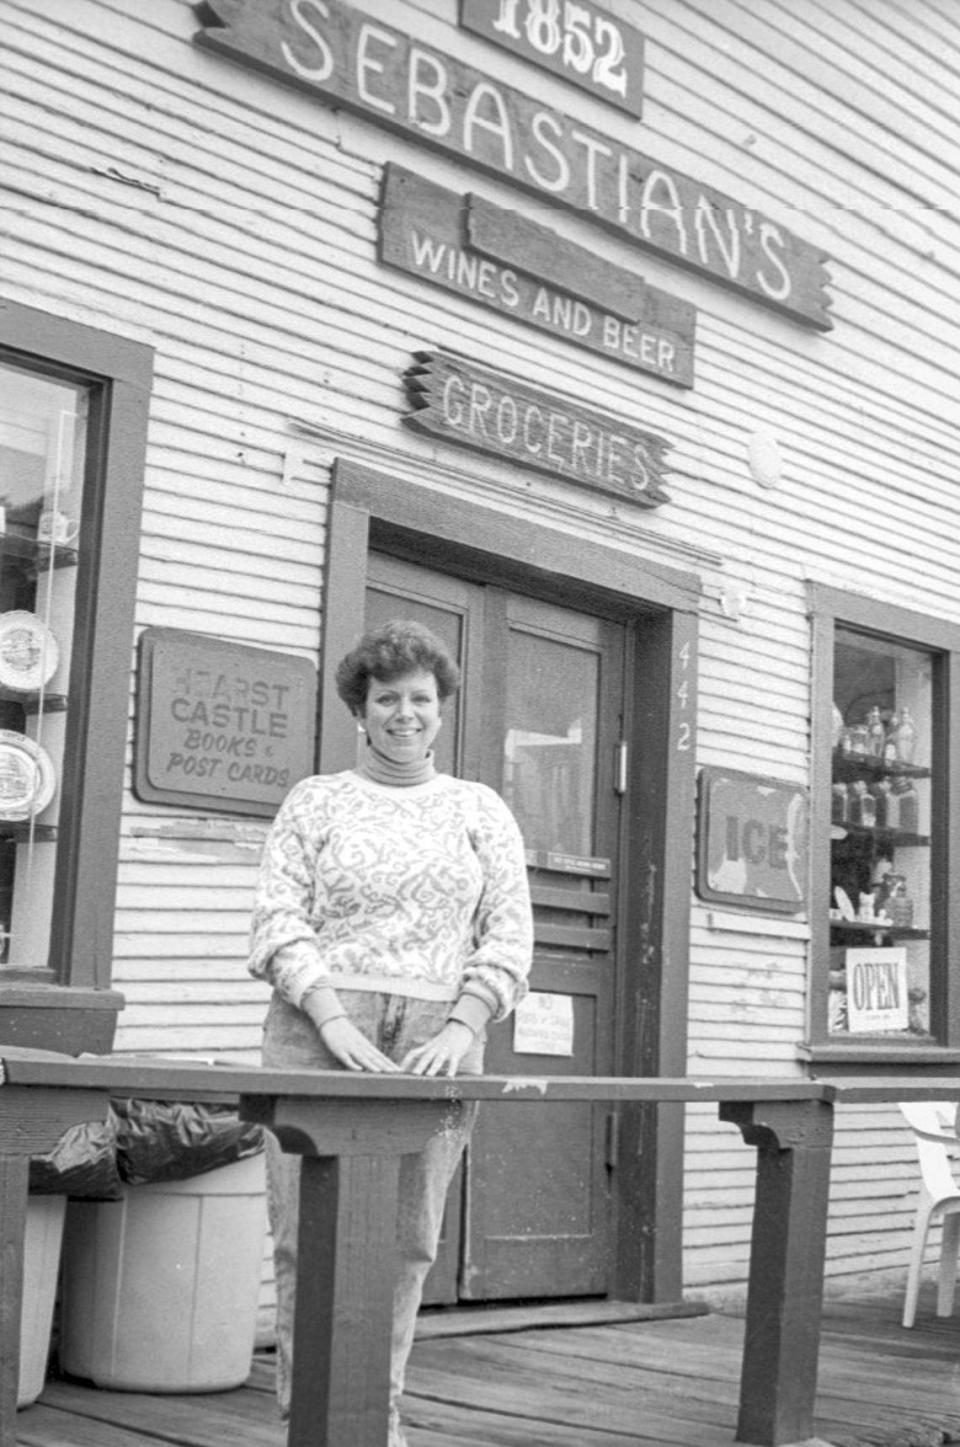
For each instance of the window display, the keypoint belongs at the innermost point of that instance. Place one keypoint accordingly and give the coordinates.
(880, 856)
(42, 446)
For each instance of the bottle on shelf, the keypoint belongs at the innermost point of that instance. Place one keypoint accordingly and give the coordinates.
(837, 727)
(905, 737)
(890, 755)
(883, 798)
(838, 809)
(876, 733)
(863, 805)
(908, 806)
(898, 904)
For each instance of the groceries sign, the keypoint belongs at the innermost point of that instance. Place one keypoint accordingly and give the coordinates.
(497, 414)
(350, 59)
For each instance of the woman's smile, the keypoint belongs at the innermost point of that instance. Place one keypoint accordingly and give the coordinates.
(402, 716)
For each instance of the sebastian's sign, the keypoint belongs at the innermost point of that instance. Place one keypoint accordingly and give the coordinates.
(221, 725)
(473, 248)
(581, 42)
(481, 409)
(350, 59)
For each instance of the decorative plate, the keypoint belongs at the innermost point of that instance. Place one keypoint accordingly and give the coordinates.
(27, 776)
(28, 652)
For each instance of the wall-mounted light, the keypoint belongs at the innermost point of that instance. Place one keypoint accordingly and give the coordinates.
(763, 457)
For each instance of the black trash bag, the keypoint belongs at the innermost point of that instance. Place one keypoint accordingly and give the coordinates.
(82, 1164)
(164, 1140)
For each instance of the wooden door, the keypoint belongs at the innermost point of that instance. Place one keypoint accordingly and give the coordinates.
(452, 609)
(539, 718)
(539, 1210)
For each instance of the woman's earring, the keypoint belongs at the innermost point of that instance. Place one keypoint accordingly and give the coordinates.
(360, 729)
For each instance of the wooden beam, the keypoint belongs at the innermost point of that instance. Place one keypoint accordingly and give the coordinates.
(778, 1380)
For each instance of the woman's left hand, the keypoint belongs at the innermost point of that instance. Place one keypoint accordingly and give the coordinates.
(442, 1054)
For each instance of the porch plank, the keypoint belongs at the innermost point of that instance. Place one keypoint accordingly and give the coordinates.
(669, 1383)
(438, 1424)
(44, 1426)
(49, 1427)
(242, 1417)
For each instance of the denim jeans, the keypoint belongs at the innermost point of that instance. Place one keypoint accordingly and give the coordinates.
(395, 1023)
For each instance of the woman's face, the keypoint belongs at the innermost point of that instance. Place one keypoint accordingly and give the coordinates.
(402, 717)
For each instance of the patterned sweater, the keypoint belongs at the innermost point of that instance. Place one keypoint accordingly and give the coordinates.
(418, 891)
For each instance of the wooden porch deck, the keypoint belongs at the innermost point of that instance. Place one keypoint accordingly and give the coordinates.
(659, 1383)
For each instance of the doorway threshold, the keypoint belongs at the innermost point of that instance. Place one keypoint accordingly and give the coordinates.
(522, 1316)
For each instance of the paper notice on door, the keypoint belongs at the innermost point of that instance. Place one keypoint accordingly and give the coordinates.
(543, 1025)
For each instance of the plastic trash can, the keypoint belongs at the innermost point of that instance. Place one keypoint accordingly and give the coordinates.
(41, 1265)
(161, 1288)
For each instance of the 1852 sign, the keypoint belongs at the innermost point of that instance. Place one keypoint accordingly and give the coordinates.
(496, 414)
(578, 41)
(752, 841)
(221, 725)
(350, 59)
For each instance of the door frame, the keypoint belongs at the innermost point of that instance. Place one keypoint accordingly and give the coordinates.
(369, 509)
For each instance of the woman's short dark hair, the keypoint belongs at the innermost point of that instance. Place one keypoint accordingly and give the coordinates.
(400, 646)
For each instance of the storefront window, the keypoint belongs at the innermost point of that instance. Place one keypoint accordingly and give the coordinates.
(885, 834)
(880, 884)
(74, 406)
(42, 447)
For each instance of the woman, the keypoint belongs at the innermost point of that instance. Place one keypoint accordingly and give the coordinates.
(393, 920)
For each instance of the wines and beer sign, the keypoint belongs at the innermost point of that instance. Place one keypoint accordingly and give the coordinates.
(347, 58)
(474, 407)
(525, 270)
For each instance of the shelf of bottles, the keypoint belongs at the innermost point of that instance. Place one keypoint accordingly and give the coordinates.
(42, 447)
(879, 969)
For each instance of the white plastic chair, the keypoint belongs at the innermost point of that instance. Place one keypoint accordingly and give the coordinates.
(934, 1129)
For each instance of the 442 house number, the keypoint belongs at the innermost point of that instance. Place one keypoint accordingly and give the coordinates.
(575, 40)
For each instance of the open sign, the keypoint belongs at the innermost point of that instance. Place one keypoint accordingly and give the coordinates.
(877, 998)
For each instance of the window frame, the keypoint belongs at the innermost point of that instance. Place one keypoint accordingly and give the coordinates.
(832, 609)
(67, 1003)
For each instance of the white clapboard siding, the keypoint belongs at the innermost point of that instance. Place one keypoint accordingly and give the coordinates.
(231, 223)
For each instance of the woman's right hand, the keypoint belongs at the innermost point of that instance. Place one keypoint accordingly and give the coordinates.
(353, 1049)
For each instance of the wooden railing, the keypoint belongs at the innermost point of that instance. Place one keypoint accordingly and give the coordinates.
(352, 1131)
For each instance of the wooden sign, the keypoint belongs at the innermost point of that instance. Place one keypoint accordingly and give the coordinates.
(877, 998)
(582, 43)
(752, 836)
(346, 58)
(492, 413)
(429, 232)
(220, 725)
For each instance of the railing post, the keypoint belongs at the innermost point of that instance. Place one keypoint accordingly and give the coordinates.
(778, 1380)
(14, 1175)
(347, 1254)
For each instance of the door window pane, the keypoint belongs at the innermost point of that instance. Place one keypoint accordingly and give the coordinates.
(448, 625)
(42, 447)
(550, 742)
(880, 837)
